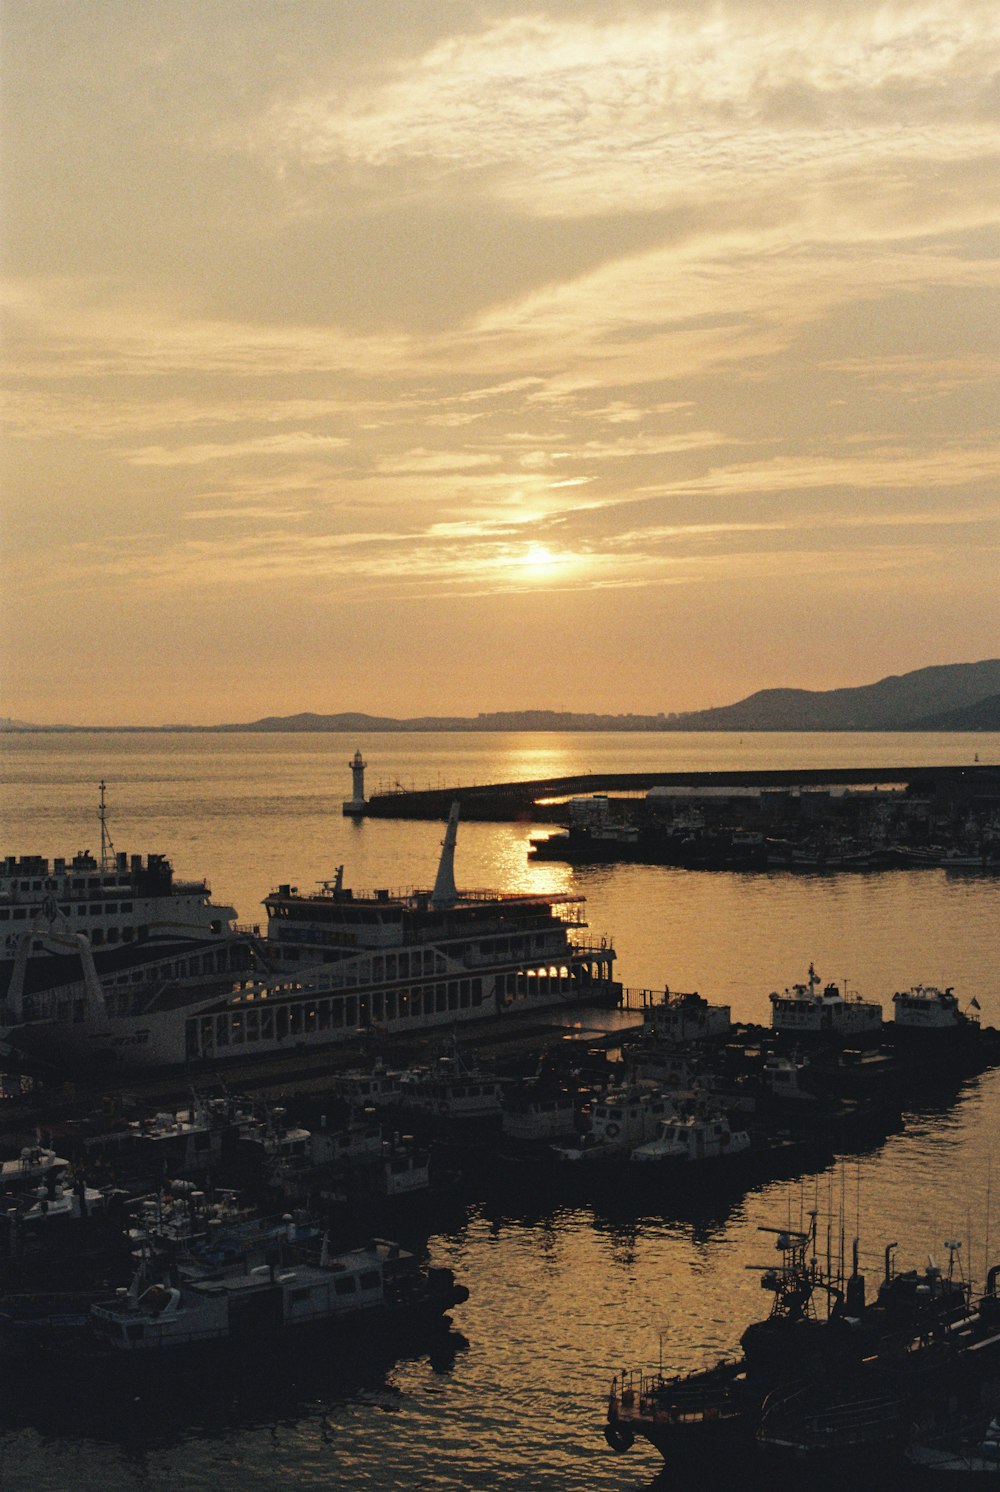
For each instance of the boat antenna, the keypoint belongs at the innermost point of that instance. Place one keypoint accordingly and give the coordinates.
(445, 893)
(107, 848)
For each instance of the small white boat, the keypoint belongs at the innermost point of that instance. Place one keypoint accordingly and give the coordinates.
(691, 1139)
(806, 1010)
(619, 1120)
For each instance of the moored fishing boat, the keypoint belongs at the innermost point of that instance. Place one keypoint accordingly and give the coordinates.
(377, 1288)
(619, 1119)
(847, 1383)
(689, 1140)
(805, 1011)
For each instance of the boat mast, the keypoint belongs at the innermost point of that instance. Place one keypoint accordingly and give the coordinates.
(445, 893)
(107, 848)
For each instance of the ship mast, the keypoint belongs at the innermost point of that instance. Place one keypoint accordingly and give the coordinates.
(107, 848)
(445, 893)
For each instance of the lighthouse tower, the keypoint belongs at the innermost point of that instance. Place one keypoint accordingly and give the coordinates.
(356, 804)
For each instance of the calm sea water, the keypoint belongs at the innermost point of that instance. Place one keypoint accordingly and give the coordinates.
(561, 1296)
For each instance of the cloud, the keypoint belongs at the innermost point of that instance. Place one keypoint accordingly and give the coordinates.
(624, 113)
(293, 443)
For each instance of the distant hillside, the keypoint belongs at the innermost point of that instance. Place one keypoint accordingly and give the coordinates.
(948, 697)
(984, 715)
(901, 702)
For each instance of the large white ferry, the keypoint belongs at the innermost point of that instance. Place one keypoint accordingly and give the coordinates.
(98, 953)
(341, 964)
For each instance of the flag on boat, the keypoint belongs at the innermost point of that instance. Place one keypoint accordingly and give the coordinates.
(974, 1004)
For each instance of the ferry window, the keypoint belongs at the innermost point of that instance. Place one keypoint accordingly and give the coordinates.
(370, 1279)
(346, 1285)
(20, 913)
(126, 906)
(299, 1295)
(111, 906)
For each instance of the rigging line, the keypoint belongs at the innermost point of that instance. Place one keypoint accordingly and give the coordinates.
(986, 1245)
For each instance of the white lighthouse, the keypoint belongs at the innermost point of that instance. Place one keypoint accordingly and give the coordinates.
(356, 803)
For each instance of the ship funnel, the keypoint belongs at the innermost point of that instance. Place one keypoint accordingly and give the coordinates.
(444, 893)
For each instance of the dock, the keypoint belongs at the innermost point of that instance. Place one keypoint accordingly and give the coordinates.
(539, 799)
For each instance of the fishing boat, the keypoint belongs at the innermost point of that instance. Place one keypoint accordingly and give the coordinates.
(680, 1018)
(925, 1009)
(190, 1319)
(808, 1379)
(620, 1118)
(689, 1140)
(807, 1011)
(452, 1089)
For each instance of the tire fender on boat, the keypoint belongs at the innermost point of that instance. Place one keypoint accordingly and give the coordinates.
(619, 1437)
(612, 1131)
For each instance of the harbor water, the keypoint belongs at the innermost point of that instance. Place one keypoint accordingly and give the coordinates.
(563, 1295)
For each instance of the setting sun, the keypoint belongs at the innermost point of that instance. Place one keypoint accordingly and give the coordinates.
(538, 562)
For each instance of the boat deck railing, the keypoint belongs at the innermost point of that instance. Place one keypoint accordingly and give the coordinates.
(673, 1399)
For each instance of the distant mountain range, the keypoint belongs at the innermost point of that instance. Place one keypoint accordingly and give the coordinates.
(948, 697)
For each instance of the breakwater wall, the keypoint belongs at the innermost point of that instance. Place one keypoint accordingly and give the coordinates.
(507, 801)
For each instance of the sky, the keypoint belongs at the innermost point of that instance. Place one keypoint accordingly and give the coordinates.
(433, 356)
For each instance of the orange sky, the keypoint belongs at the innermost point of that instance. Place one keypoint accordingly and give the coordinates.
(442, 358)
